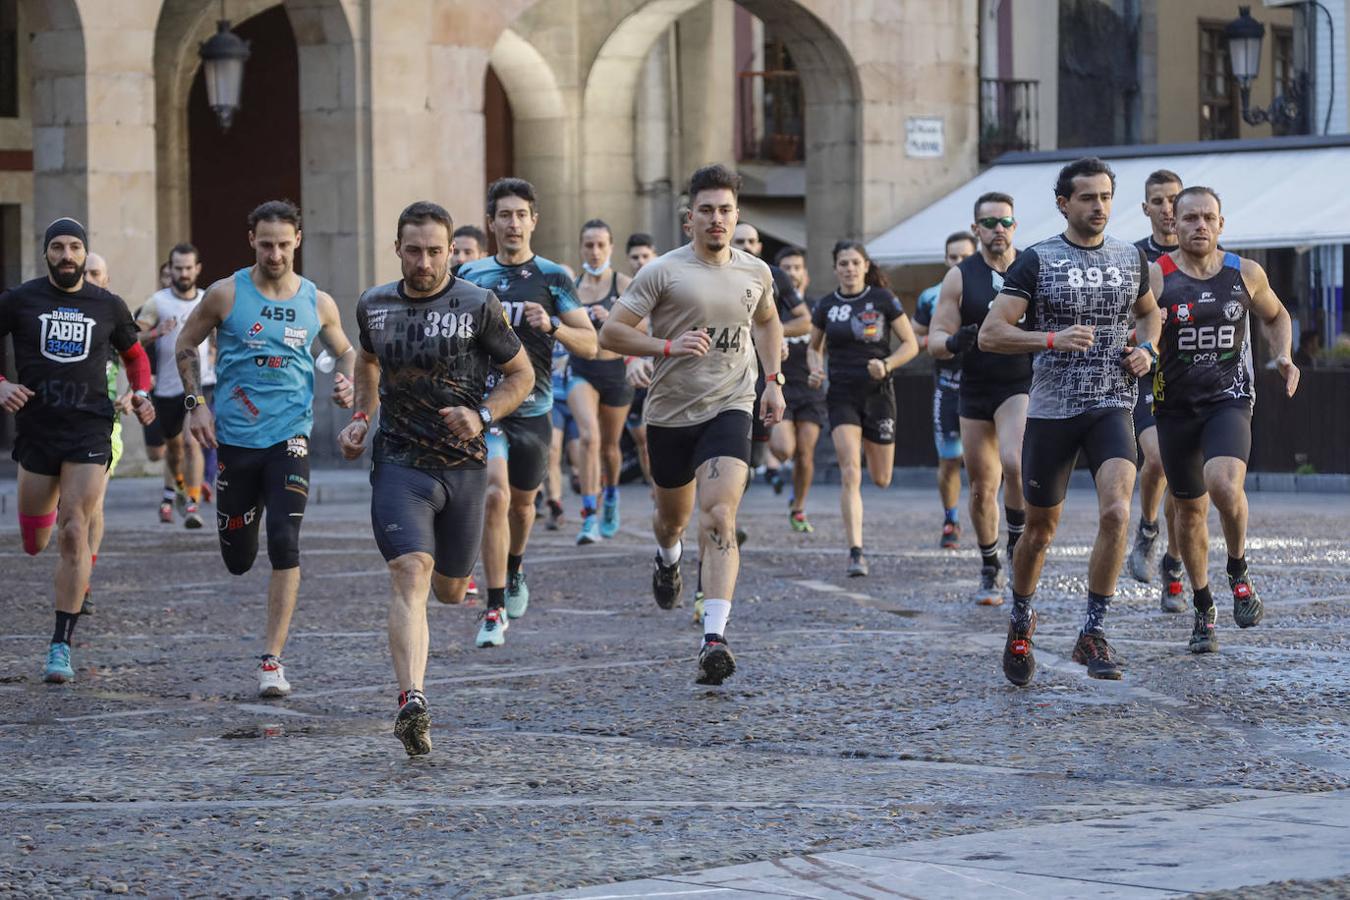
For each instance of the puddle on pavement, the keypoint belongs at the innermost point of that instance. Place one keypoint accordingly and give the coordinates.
(270, 730)
(904, 613)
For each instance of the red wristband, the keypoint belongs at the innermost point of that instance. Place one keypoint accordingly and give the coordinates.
(666, 351)
(1050, 340)
(362, 416)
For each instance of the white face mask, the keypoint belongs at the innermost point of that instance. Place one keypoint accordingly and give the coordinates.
(596, 272)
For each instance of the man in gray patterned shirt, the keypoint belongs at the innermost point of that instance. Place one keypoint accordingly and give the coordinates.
(1085, 290)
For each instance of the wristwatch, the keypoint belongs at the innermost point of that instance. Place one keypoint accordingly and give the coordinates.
(777, 378)
(555, 322)
(486, 415)
(144, 395)
(192, 401)
(1148, 345)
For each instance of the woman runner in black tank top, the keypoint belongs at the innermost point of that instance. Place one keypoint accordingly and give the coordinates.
(598, 395)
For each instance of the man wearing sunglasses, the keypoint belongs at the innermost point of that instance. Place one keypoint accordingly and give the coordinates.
(994, 386)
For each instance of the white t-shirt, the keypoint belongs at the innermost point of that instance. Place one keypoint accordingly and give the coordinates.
(168, 305)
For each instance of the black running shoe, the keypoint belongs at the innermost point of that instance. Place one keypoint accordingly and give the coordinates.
(715, 662)
(741, 536)
(1172, 600)
(1141, 555)
(87, 608)
(857, 565)
(1093, 651)
(413, 725)
(1247, 608)
(1204, 634)
(667, 584)
(1019, 657)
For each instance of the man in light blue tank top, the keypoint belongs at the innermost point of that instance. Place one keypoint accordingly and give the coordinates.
(265, 318)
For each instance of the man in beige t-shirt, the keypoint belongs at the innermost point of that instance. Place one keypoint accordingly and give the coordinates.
(706, 303)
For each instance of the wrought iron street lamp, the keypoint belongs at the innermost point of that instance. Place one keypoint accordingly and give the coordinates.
(223, 57)
(1286, 112)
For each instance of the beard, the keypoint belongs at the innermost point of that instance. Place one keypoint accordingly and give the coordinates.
(183, 285)
(66, 279)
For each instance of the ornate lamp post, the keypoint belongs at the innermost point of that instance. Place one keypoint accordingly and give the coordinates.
(1286, 112)
(223, 57)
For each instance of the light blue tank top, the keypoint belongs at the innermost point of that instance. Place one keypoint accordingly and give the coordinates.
(264, 373)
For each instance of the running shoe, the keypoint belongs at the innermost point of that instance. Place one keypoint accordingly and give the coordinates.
(951, 536)
(166, 512)
(741, 536)
(472, 589)
(517, 595)
(87, 607)
(1141, 556)
(1019, 656)
(698, 609)
(797, 519)
(715, 662)
(1172, 589)
(192, 519)
(1247, 608)
(590, 529)
(413, 725)
(775, 479)
(272, 678)
(492, 633)
(555, 516)
(1204, 633)
(990, 591)
(666, 584)
(180, 501)
(857, 565)
(58, 670)
(609, 517)
(1093, 651)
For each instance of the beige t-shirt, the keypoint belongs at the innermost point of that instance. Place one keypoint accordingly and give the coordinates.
(679, 291)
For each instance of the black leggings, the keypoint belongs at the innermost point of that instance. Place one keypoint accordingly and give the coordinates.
(251, 481)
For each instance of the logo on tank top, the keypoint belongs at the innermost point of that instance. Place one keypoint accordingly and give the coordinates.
(255, 329)
(296, 338)
(867, 325)
(1232, 310)
(1183, 312)
(66, 335)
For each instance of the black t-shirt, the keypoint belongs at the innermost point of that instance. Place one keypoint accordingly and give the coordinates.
(788, 302)
(62, 345)
(857, 329)
(980, 284)
(434, 352)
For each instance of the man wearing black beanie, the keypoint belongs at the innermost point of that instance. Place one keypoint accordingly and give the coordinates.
(64, 331)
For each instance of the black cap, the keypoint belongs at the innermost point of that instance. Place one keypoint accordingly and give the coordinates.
(65, 227)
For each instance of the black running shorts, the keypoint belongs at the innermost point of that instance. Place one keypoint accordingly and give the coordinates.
(1143, 407)
(868, 404)
(1050, 450)
(434, 511)
(170, 413)
(1187, 441)
(251, 482)
(607, 376)
(676, 453)
(42, 452)
(524, 442)
(805, 404)
(981, 401)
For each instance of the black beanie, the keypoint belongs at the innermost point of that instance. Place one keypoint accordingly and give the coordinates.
(65, 227)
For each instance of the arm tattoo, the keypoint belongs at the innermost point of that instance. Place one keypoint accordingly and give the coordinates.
(190, 370)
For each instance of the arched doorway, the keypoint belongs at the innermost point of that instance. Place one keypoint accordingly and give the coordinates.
(263, 141)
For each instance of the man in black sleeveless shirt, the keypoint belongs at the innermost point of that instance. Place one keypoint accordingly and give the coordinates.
(1203, 394)
(993, 401)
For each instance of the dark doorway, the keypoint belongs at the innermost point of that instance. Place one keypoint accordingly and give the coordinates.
(258, 159)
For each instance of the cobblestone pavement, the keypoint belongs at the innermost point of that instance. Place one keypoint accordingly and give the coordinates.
(866, 712)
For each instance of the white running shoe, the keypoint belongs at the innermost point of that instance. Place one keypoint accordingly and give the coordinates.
(272, 678)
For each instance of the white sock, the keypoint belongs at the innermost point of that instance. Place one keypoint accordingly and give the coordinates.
(670, 555)
(715, 615)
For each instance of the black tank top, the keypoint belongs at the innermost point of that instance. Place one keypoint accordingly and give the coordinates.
(980, 284)
(1205, 357)
(607, 366)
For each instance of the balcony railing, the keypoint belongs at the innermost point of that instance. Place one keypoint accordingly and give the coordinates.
(771, 113)
(1009, 116)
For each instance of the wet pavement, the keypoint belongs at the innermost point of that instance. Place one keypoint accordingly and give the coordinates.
(869, 722)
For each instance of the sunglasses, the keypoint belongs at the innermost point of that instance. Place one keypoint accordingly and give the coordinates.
(990, 222)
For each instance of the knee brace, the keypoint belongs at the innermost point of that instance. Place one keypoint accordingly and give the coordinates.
(29, 526)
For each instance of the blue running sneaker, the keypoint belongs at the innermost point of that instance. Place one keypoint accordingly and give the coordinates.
(58, 669)
(517, 596)
(609, 517)
(492, 633)
(590, 530)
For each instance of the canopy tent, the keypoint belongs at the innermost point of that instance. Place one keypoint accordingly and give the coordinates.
(1278, 192)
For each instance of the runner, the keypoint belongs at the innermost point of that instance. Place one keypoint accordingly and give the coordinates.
(537, 296)
(598, 392)
(428, 342)
(946, 398)
(641, 249)
(704, 301)
(64, 330)
(470, 243)
(992, 406)
(1087, 289)
(565, 441)
(160, 321)
(265, 318)
(1160, 195)
(853, 327)
(795, 437)
(1203, 394)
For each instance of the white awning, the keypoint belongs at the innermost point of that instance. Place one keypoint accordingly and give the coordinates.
(784, 220)
(1279, 192)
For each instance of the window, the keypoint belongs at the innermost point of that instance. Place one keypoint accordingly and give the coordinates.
(9, 59)
(1218, 103)
(1282, 60)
